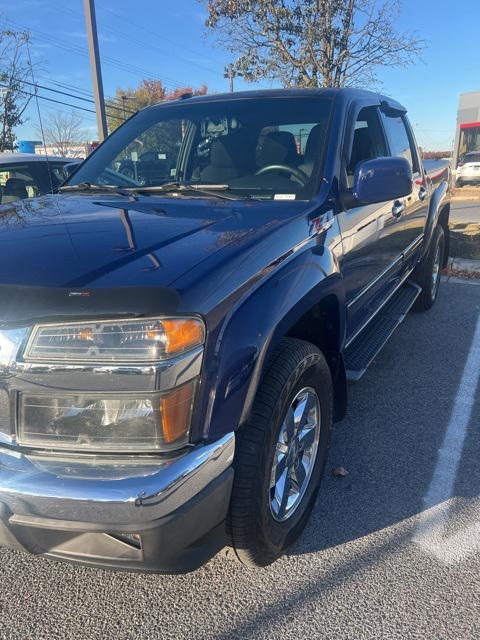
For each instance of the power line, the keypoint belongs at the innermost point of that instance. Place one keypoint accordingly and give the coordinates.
(144, 28)
(154, 47)
(71, 95)
(64, 85)
(66, 104)
(79, 51)
(40, 118)
(143, 44)
(77, 90)
(113, 62)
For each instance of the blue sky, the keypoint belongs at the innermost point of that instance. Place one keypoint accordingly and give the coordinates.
(165, 39)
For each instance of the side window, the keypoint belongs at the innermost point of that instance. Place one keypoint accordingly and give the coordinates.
(16, 183)
(400, 143)
(368, 140)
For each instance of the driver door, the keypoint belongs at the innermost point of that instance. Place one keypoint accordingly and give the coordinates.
(371, 234)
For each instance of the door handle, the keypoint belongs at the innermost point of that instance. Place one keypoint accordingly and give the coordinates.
(422, 193)
(398, 208)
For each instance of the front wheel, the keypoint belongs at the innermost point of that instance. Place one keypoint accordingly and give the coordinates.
(281, 453)
(429, 274)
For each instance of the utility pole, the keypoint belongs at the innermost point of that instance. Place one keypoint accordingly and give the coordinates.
(91, 23)
(230, 74)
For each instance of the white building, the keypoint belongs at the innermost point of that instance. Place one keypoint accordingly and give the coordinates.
(71, 151)
(467, 136)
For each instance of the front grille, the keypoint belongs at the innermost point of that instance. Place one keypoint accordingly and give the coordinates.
(4, 413)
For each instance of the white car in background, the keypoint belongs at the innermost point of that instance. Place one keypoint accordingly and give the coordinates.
(468, 170)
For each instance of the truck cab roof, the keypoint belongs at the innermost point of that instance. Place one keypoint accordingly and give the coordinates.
(346, 94)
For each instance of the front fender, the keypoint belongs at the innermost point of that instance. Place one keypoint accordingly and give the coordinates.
(439, 199)
(255, 326)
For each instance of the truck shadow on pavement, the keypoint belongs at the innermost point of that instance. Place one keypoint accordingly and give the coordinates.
(268, 622)
(398, 414)
(359, 538)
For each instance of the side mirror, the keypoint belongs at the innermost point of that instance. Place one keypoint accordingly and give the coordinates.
(382, 179)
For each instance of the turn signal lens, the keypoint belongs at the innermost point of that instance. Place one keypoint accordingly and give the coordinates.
(175, 410)
(146, 340)
(182, 334)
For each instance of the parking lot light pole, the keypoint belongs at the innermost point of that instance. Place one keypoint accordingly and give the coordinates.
(124, 99)
(230, 73)
(93, 50)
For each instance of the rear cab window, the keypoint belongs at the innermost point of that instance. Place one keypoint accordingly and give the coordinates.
(400, 140)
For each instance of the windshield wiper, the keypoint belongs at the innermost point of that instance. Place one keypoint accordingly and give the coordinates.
(181, 186)
(90, 186)
(201, 189)
(210, 190)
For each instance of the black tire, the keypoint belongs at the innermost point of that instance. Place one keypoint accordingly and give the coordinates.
(256, 536)
(424, 275)
(459, 184)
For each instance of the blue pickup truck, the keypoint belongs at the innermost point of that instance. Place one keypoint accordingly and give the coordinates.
(174, 350)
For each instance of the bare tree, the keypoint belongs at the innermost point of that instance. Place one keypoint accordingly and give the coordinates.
(14, 70)
(313, 43)
(64, 132)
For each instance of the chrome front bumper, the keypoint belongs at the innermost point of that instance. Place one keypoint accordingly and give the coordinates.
(80, 495)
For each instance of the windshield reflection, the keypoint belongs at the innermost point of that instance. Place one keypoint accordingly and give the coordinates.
(267, 148)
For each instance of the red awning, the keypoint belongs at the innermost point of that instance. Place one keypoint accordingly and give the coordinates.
(470, 125)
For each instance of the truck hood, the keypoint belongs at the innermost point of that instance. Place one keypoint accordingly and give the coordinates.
(82, 246)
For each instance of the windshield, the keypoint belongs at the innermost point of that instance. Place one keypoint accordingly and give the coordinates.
(471, 157)
(268, 148)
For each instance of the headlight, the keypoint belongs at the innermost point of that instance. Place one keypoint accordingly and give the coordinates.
(107, 423)
(129, 341)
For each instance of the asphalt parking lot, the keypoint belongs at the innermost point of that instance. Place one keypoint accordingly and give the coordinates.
(392, 550)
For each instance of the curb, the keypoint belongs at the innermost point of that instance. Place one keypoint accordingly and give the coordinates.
(463, 264)
(458, 199)
(462, 270)
(459, 280)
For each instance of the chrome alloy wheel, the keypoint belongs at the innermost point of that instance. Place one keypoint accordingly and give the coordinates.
(295, 453)
(436, 271)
